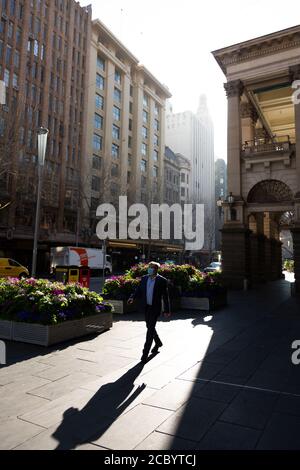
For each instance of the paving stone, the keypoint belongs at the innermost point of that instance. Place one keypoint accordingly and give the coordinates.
(202, 370)
(56, 389)
(14, 432)
(22, 385)
(13, 406)
(173, 395)
(281, 433)
(250, 408)
(132, 428)
(224, 436)
(89, 447)
(217, 392)
(52, 411)
(288, 404)
(160, 441)
(192, 420)
(158, 377)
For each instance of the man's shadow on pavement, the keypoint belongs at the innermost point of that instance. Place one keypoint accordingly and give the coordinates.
(109, 402)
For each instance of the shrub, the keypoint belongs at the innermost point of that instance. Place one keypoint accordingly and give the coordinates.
(289, 265)
(120, 287)
(47, 303)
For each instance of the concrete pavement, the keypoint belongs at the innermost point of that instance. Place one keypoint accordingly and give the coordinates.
(221, 381)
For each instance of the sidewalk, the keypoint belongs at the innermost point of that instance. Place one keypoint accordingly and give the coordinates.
(221, 381)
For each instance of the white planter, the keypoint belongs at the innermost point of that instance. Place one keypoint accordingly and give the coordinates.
(46, 335)
(121, 306)
(6, 328)
(204, 303)
(195, 303)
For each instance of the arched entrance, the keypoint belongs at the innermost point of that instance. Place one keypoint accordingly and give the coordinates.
(268, 203)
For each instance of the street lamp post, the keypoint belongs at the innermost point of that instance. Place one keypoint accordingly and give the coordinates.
(42, 145)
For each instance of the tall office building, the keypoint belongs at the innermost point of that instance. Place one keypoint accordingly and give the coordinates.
(192, 135)
(44, 60)
(125, 143)
(220, 193)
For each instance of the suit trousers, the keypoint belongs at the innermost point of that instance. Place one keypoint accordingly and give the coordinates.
(151, 318)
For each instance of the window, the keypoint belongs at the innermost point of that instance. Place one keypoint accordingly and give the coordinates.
(182, 177)
(156, 141)
(130, 107)
(100, 63)
(98, 122)
(118, 77)
(116, 132)
(99, 101)
(97, 142)
(182, 192)
(143, 181)
(114, 170)
(156, 124)
(156, 109)
(144, 132)
(130, 125)
(95, 183)
(145, 117)
(221, 180)
(117, 95)
(115, 150)
(129, 141)
(99, 82)
(96, 162)
(143, 166)
(145, 101)
(129, 160)
(155, 155)
(116, 113)
(144, 149)
(155, 172)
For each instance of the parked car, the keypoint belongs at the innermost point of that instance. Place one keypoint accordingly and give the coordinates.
(11, 268)
(213, 267)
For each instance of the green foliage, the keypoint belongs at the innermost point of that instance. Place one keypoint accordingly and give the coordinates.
(289, 265)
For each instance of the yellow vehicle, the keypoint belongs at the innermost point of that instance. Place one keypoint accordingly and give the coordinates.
(11, 268)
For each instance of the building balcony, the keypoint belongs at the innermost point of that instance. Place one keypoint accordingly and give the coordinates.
(267, 151)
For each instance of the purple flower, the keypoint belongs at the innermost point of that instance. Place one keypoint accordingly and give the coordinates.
(58, 292)
(100, 308)
(62, 315)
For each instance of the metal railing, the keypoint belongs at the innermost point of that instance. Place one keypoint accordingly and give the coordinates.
(267, 146)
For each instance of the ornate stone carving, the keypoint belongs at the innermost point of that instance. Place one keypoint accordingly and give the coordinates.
(294, 72)
(263, 49)
(248, 111)
(234, 88)
(270, 191)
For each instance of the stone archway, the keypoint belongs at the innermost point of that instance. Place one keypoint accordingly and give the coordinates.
(270, 192)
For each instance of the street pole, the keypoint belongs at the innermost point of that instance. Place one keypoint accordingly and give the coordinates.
(42, 145)
(104, 259)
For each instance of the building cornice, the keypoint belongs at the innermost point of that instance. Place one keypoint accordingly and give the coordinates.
(258, 47)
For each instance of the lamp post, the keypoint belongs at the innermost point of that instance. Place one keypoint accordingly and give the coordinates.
(42, 145)
(230, 199)
(219, 205)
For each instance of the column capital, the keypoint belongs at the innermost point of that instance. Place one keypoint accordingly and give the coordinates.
(248, 111)
(234, 88)
(294, 72)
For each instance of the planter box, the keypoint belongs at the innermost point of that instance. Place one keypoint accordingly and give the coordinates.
(46, 335)
(175, 304)
(204, 303)
(121, 306)
(6, 328)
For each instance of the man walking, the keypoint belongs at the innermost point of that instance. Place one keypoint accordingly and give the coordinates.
(153, 291)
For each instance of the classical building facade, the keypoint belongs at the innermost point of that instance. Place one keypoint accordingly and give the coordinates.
(44, 61)
(263, 155)
(125, 144)
(171, 177)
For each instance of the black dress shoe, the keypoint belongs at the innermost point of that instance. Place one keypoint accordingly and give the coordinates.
(155, 350)
(144, 359)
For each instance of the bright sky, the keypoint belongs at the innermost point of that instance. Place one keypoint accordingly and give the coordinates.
(174, 40)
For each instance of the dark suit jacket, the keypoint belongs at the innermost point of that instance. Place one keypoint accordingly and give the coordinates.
(160, 292)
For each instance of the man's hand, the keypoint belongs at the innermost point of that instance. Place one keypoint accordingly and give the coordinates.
(167, 314)
(130, 301)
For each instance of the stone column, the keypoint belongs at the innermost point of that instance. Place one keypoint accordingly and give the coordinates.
(249, 117)
(295, 75)
(234, 90)
(236, 256)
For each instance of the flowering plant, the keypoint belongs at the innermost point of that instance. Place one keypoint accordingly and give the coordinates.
(120, 287)
(47, 303)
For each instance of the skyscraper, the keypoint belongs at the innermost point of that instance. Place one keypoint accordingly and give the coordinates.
(193, 136)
